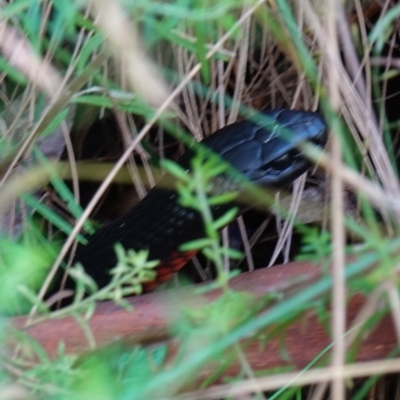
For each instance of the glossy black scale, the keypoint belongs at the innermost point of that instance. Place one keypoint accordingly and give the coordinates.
(265, 154)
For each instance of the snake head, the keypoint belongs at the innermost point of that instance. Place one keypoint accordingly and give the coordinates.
(268, 152)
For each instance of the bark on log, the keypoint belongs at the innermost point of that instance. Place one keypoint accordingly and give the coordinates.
(152, 316)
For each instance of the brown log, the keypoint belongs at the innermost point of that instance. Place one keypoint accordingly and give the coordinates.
(152, 316)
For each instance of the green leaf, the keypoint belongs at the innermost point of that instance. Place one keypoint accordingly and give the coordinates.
(65, 193)
(12, 73)
(55, 122)
(91, 308)
(196, 244)
(379, 32)
(78, 273)
(137, 258)
(93, 100)
(214, 167)
(124, 303)
(146, 275)
(231, 253)
(225, 219)
(222, 198)
(90, 46)
(83, 22)
(200, 30)
(32, 297)
(186, 198)
(175, 170)
(51, 216)
(15, 8)
(210, 254)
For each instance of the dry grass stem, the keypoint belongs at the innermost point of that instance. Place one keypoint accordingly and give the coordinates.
(361, 115)
(20, 54)
(379, 198)
(394, 301)
(338, 320)
(299, 378)
(124, 42)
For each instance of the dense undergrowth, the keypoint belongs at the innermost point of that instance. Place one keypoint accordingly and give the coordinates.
(101, 91)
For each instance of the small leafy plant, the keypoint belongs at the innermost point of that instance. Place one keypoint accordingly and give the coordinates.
(198, 189)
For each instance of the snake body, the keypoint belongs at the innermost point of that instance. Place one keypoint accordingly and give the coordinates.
(266, 153)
